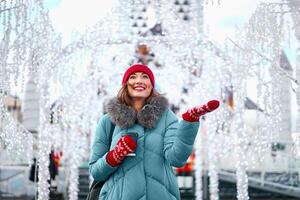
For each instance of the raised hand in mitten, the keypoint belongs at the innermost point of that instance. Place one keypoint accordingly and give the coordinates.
(124, 146)
(194, 114)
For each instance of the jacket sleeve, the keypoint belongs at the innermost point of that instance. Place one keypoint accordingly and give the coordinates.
(179, 139)
(98, 167)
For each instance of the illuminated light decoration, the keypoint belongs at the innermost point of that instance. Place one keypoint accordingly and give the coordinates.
(295, 14)
(15, 139)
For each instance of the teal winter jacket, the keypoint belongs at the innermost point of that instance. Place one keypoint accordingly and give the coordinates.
(162, 143)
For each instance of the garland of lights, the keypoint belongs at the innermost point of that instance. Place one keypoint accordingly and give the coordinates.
(212, 159)
(294, 5)
(296, 135)
(199, 165)
(266, 38)
(16, 139)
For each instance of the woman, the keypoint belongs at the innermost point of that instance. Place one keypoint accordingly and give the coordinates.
(162, 141)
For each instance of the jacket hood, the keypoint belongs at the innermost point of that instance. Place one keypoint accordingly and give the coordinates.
(125, 116)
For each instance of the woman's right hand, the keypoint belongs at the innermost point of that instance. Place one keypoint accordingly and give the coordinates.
(124, 146)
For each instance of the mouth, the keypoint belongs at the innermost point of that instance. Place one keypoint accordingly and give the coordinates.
(139, 88)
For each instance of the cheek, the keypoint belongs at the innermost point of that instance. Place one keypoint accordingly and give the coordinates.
(130, 86)
(149, 90)
(130, 90)
(150, 87)
(130, 83)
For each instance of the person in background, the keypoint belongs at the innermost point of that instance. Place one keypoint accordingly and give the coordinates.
(162, 142)
(56, 157)
(33, 174)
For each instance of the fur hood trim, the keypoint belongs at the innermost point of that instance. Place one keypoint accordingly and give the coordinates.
(125, 116)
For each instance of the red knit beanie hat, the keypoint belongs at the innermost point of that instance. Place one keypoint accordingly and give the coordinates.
(138, 68)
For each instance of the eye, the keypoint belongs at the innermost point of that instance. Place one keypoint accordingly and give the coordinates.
(145, 76)
(133, 76)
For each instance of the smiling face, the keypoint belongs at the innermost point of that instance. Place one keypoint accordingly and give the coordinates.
(139, 86)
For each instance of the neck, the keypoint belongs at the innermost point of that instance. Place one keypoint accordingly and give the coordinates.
(138, 104)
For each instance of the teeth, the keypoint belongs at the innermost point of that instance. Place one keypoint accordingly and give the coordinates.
(139, 88)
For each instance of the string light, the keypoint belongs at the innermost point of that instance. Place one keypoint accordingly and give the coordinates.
(17, 141)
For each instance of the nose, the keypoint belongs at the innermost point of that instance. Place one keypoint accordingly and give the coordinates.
(139, 80)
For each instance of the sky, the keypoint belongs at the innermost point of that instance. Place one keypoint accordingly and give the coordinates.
(224, 18)
(70, 15)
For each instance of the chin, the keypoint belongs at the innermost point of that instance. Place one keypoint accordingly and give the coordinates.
(140, 96)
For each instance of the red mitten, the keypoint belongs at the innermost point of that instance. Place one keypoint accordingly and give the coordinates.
(124, 146)
(194, 114)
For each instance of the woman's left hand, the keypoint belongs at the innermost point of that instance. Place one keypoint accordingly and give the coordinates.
(194, 114)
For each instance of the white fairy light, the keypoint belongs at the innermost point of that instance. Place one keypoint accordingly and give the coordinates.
(44, 144)
(199, 165)
(238, 130)
(296, 140)
(253, 44)
(16, 139)
(212, 159)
